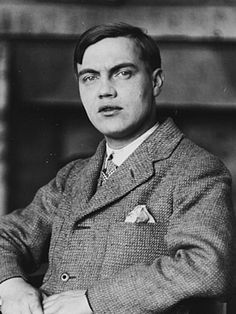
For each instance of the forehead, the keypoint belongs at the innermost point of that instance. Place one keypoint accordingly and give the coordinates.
(110, 51)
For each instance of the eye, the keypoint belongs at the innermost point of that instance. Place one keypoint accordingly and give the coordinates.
(124, 74)
(89, 78)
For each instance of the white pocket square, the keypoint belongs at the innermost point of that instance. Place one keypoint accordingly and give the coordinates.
(140, 214)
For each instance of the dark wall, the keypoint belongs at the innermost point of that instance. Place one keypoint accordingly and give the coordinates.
(48, 126)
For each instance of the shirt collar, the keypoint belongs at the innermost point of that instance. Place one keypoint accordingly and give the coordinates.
(120, 155)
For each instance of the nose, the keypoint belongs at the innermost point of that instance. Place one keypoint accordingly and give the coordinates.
(106, 89)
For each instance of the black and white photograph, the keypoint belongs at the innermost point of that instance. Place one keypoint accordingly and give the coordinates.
(117, 156)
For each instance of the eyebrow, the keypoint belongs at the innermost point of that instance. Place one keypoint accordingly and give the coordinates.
(123, 65)
(85, 71)
(111, 70)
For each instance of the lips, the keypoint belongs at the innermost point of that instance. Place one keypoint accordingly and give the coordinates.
(109, 109)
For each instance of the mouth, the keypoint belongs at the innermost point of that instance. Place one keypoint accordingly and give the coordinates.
(109, 110)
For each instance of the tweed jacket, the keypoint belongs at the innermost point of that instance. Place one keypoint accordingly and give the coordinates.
(130, 267)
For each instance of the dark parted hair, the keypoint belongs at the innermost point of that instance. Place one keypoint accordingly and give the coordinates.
(149, 51)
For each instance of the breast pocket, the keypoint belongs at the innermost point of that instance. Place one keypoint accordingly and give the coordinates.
(130, 243)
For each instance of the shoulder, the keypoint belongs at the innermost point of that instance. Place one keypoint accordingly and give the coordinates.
(191, 160)
(71, 169)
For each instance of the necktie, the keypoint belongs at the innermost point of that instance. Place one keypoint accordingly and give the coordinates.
(110, 168)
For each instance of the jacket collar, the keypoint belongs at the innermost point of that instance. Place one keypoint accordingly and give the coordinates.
(136, 170)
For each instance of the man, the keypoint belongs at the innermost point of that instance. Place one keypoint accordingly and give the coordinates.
(145, 224)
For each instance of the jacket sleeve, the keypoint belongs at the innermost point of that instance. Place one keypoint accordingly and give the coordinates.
(200, 246)
(25, 233)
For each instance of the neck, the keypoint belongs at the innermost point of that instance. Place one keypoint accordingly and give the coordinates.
(118, 143)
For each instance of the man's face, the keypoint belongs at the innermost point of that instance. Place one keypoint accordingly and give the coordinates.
(116, 89)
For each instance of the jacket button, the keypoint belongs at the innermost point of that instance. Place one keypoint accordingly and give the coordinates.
(65, 277)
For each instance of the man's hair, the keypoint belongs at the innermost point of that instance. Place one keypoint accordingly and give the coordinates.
(149, 51)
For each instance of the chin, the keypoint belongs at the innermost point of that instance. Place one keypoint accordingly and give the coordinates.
(112, 134)
(119, 134)
(112, 131)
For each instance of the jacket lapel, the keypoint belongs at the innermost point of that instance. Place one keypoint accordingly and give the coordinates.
(136, 170)
(86, 180)
(128, 176)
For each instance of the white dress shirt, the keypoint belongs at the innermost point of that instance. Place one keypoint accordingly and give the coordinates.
(120, 155)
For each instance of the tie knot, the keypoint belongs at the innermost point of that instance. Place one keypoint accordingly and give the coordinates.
(110, 157)
(110, 167)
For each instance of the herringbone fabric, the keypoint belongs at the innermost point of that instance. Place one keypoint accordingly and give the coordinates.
(130, 268)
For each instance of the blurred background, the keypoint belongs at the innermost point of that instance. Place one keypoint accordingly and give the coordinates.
(42, 122)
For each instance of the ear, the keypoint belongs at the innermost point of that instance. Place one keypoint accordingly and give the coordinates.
(157, 81)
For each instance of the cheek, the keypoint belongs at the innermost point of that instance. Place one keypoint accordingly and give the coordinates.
(139, 101)
(86, 94)
(87, 102)
(139, 91)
